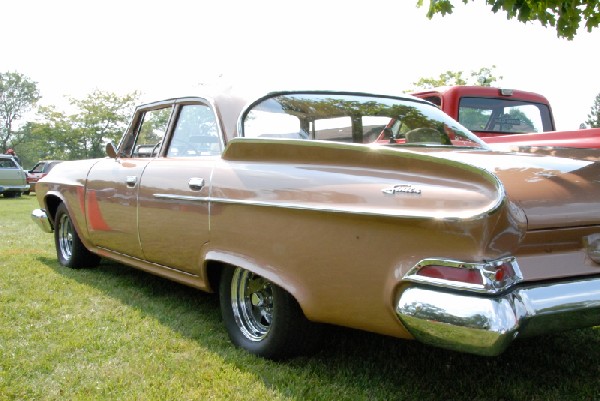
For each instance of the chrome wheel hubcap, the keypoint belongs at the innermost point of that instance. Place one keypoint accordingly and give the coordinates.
(252, 304)
(65, 237)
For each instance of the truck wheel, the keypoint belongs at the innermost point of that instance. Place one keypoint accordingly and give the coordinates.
(262, 318)
(69, 248)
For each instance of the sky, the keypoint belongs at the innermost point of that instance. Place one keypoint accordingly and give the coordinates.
(171, 48)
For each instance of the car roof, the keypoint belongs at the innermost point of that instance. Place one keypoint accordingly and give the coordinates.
(230, 101)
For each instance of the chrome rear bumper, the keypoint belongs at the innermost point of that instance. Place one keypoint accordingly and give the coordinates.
(487, 325)
(41, 219)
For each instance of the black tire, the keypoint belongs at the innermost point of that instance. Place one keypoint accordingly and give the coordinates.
(262, 318)
(10, 194)
(70, 250)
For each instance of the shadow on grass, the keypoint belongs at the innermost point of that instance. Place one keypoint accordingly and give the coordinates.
(358, 365)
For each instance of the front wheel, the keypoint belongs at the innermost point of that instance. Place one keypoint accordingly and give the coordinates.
(69, 249)
(262, 318)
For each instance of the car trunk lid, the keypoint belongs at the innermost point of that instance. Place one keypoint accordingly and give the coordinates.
(553, 192)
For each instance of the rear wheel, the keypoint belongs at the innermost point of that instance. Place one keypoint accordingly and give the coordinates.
(69, 249)
(262, 318)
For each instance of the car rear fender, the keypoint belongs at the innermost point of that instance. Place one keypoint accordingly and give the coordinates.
(313, 216)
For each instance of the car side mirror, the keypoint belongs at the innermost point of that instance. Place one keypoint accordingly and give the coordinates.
(111, 151)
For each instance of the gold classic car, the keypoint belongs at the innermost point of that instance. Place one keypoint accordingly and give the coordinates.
(371, 211)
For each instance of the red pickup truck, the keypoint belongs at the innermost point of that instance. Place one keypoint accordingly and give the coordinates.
(508, 119)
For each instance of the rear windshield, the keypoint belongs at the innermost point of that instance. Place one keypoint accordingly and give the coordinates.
(503, 116)
(8, 163)
(355, 118)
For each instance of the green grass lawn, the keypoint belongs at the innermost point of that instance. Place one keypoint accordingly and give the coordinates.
(114, 333)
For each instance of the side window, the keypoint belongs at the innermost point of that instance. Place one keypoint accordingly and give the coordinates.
(146, 138)
(195, 133)
(38, 168)
(435, 100)
(151, 133)
(6, 163)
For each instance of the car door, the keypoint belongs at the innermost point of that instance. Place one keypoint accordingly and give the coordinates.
(173, 208)
(111, 196)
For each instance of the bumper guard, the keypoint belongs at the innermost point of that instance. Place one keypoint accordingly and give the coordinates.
(41, 219)
(487, 324)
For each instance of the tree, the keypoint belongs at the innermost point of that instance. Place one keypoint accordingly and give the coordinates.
(566, 15)
(18, 94)
(102, 117)
(482, 77)
(98, 118)
(34, 144)
(593, 120)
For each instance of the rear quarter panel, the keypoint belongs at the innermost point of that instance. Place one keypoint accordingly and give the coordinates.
(313, 218)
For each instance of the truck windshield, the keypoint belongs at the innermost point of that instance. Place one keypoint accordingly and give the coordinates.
(356, 118)
(503, 116)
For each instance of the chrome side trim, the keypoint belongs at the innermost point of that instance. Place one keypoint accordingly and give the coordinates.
(182, 197)
(148, 263)
(317, 208)
(486, 325)
(41, 219)
(392, 212)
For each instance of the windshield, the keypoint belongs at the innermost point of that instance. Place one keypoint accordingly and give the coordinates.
(355, 118)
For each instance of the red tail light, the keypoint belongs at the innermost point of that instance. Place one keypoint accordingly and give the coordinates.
(470, 276)
(488, 277)
(503, 272)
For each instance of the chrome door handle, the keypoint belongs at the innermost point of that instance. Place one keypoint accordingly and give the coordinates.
(131, 180)
(196, 184)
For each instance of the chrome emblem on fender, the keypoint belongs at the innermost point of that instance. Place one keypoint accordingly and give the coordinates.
(401, 189)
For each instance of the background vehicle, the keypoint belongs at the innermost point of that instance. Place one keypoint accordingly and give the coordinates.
(12, 177)
(40, 170)
(507, 118)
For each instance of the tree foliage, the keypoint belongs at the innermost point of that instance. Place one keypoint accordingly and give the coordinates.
(482, 77)
(18, 94)
(98, 118)
(102, 117)
(593, 120)
(566, 15)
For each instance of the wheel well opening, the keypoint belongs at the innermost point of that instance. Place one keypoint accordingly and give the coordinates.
(52, 203)
(213, 273)
(214, 270)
